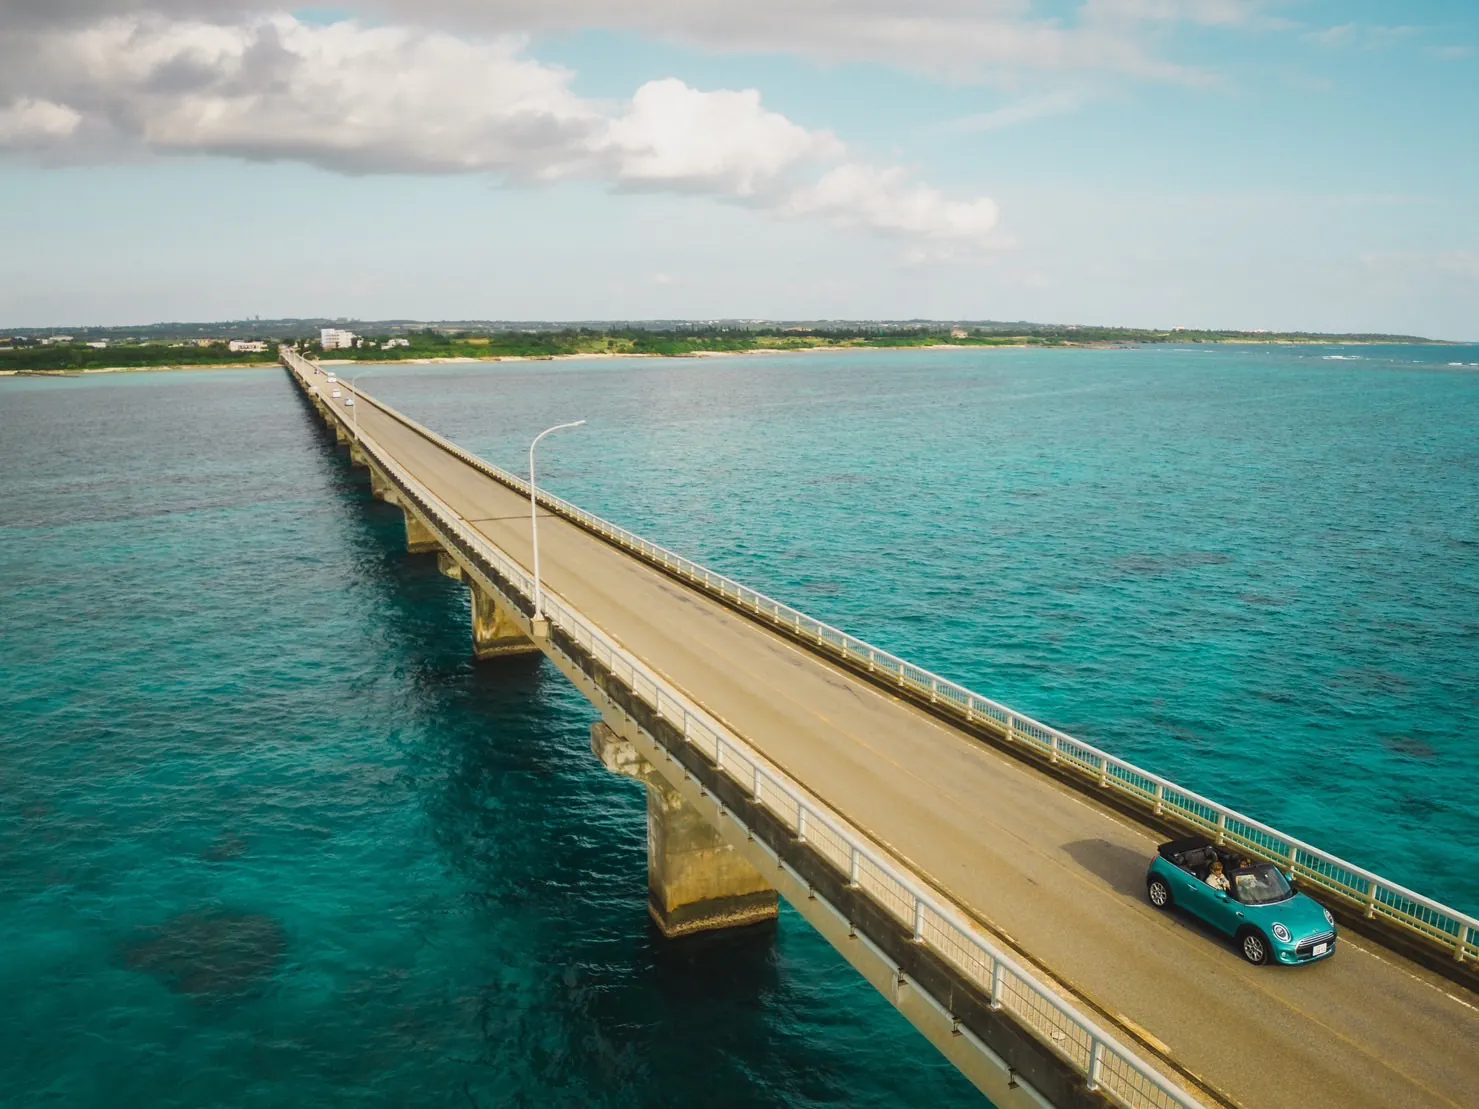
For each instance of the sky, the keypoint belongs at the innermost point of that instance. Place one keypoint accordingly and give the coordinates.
(1276, 164)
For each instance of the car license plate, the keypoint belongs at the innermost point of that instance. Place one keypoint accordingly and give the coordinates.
(1320, 949)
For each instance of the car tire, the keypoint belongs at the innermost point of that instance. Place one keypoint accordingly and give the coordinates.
(1253, 945)
(1159, 892)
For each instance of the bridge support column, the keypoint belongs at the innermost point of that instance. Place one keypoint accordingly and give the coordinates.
(380, 487)
(695, 881)
(449, 566)
(357, 456)
(419, 539)
(340, 435)
(494, 632)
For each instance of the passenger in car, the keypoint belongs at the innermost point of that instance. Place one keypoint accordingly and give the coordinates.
(1218, 880)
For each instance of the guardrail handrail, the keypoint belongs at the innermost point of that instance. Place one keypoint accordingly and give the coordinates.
(1375, 896)
(1082, 1043)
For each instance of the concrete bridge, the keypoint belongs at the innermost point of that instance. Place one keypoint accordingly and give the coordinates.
(984, 871)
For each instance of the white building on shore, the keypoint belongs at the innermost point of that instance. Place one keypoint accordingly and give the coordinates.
(248, 346)
(331, 338)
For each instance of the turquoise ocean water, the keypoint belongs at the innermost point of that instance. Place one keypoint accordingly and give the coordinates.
(270, 839)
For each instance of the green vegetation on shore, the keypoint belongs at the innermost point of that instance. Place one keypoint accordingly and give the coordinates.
(429, 343)
(679, 342)
(74, 357)
(39, 353)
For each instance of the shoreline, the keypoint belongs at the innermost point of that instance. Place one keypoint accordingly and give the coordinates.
(139, 369)
(471, 360)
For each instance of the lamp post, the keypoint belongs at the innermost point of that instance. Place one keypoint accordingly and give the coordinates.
(354, 392)
(534, 518)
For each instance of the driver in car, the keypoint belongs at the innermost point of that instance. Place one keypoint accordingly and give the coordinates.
(1218, 880)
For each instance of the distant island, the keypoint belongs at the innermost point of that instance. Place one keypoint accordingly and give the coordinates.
(255, 342)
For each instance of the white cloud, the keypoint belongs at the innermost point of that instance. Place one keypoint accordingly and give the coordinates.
(28, 121)
(678, 137)
(971, 39)
(345, 97)
(886, 200)
(395, 99)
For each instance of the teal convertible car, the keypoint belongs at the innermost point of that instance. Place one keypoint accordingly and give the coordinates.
(1268, 920)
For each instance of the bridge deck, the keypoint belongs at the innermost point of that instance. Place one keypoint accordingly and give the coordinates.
(1058, 877)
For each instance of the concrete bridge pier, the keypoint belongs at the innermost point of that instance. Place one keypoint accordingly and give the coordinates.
(340, 435)
(695, 881)
(380, 487)
(495, 634)
(357, 456)
(449, 566)
(420, 539)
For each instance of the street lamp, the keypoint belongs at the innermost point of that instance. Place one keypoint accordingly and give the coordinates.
(534, 516)
(354, 392)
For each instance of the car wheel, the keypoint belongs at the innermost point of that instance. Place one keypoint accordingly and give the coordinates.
(1254, 947)
(1159, 893)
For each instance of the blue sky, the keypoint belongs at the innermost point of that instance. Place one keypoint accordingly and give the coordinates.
(1299, 165)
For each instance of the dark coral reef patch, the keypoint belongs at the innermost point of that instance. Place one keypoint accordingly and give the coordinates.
(209, 954)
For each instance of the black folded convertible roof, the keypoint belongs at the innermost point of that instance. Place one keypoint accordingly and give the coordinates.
(1182, 846)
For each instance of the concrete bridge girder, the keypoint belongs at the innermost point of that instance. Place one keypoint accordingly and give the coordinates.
(696, 882)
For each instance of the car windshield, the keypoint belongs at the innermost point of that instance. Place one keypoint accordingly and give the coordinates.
(1261, 885)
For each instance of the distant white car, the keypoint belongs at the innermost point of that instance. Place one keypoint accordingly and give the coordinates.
(348, 402)
(336, 394)
(332, 378)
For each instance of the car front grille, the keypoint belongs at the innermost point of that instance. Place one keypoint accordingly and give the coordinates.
(1306, 947)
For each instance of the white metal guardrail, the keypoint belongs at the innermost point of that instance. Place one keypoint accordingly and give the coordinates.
(1106, 1064)
(1366, 892)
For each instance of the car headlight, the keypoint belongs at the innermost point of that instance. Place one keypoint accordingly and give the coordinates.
(1328, 918)
(1281, 933)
